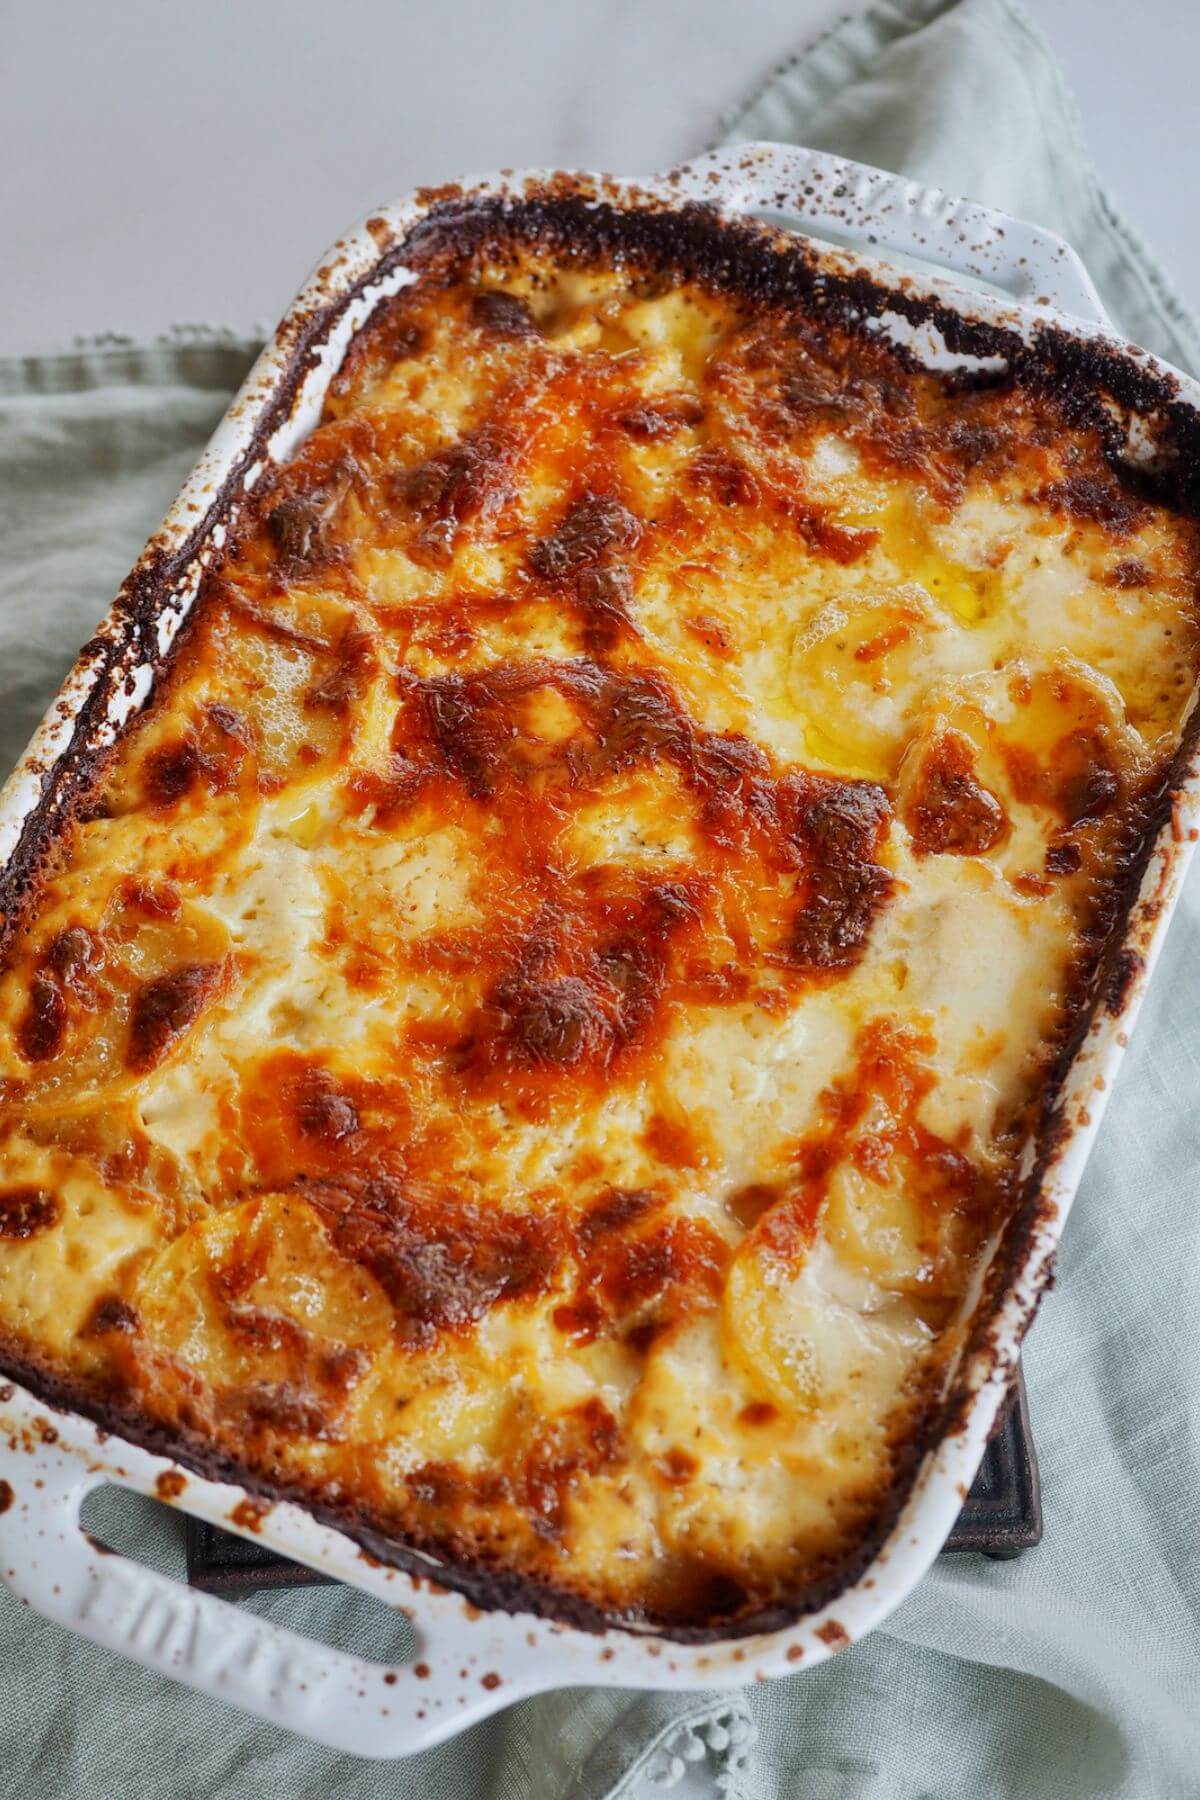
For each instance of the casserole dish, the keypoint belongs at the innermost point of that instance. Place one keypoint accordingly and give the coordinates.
(390, 1710)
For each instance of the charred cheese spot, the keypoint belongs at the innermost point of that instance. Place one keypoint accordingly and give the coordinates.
(947, 809)
(165, 1008)
(471, 480)
(840, 827)
(557, 1020)
(442, 1266)
(25, 1211)
(577, 558)
(593, 526)
(650, 422)
(323, 1111)
(504, 315)
(110, 1313)
(44, 1026)
(1096, 497)
(532, 1037)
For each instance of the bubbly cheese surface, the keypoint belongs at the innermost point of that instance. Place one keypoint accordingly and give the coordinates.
(532, 1037)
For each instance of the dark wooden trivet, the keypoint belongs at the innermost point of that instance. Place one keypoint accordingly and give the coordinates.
(1001, 1516)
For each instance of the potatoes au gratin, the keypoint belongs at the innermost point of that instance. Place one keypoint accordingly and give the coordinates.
(528, 1040)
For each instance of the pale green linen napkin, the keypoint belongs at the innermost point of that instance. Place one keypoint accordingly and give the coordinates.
(1073, 1672)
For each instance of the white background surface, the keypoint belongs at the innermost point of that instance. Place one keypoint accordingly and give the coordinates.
(189, 160)
(184, 160)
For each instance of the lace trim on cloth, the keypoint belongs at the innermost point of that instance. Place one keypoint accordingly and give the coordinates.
(721, 1736)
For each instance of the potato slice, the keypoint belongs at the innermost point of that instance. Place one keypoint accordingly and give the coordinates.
(817, 1336)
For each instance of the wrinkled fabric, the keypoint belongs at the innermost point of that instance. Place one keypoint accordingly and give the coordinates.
(1074, 1671)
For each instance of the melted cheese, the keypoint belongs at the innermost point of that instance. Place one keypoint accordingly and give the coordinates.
(535, 1036)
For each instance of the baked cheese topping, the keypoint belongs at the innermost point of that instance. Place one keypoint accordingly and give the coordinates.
(532, 1038)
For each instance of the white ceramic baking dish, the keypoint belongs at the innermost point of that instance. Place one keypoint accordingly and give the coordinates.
(467, 1663)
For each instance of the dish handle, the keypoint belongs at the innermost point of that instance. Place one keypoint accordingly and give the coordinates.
(342, 1701)
(850, 202)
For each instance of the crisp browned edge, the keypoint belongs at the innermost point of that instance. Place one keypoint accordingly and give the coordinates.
(594, 222)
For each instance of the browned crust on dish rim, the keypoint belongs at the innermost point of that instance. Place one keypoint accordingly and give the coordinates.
(577, 219)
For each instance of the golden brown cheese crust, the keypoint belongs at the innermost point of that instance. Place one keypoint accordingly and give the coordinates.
(534, 1034)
